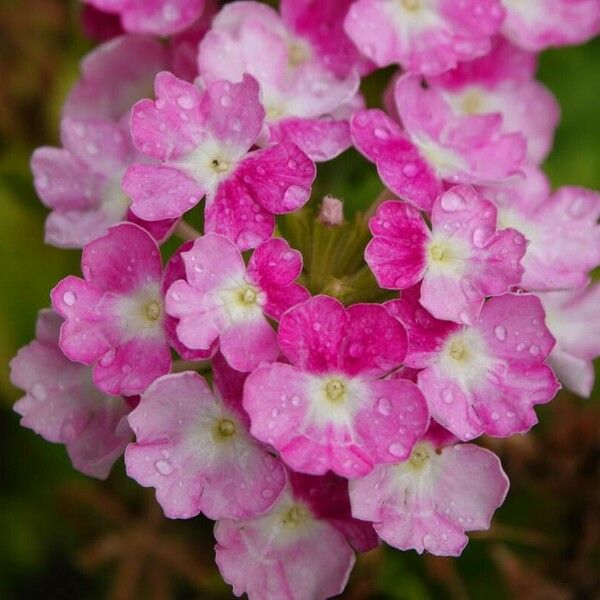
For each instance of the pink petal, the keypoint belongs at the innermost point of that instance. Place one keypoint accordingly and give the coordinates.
(396, 255)
(247, 344)
(279, 177)
(160, 192)
(398, 161)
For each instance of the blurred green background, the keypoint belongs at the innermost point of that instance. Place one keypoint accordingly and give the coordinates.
(65, 536)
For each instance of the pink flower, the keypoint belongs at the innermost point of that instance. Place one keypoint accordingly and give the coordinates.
(539, 24)
(503, 82)
(203, 140)
(485, 378)
(114, 317)
(301, 549)
(81, 182)
(461, 260)
(429, 501)
(224, 300)
(63, 406)
(114, 76)
(435, 145)
(573, 318)
(160, 17)
(422, 36)
(562, 229)
(306, 67)
(194, 447)
(329, 408)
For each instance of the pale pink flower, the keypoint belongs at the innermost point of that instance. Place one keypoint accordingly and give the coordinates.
(224, 300)
(62, 404)
(573, 318)
(434, 145)
(504, 82)
(81, 182)
(307, 68)
(114, 317)
(302, 549)
(561, 227)
(461, 260)
(484, 378)
(430, 500)
(539, 24)
(203, 140)
(423, 36)
(160, 17)
(194, 447)
(330, 408)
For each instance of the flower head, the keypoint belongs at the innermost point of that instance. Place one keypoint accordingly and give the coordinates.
(114, 316)
(330, 408)
(203, 140)
(461, 260)
(63, 405)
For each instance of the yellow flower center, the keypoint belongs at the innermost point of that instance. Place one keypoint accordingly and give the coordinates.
(248, 296)
(411, 4)
(458, 351)
(225, 428)
(220, 166)
(152, 311)
(419, 457)
(335, 390)
(295, 515)
(437, 253)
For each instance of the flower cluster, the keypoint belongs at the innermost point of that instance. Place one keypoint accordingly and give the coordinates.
(306, 425)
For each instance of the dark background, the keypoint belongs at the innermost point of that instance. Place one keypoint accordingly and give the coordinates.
(65, 536)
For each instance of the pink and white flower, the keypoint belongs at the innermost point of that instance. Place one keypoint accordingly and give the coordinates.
(460, 261)
(539, 24)
(429, 501)
(302, 549)
(503, 82)
(423, 36)
(159, 17)
(203, 141)
(435, 145)
(330, 408)
(306, 66)
(114, 317)
(81, 182)
(573, 318)
(224, 300)
(484, 378)
(62, 404)
(193, 446)
(562, 229)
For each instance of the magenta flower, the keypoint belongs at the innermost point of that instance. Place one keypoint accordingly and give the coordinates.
(160, 17)
(203, 140)
(435, 145)
(302, 549)
(561, 227)
(460, 261)
(114, 317)
(573, 318)
(422, 36)
(485, 378)
(429, 501)
(539, 24)
(306, 66)
(81, 182)
(63, 406)
(194, 447)
(503, 82)
(330, 408)
(224, 300)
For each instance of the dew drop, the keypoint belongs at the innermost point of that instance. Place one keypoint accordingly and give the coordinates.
(38, 391)
(534, 350)
(397, 450)
(295, 400)
(500, 332)
(267, 493)
(410, 169)
(384, 406)
(186, 102)
(164, 467)
(108, 358)
(495, 416)
(447, 396)
(69, 298)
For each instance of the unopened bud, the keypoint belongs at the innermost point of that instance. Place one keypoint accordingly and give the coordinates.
(332, 212)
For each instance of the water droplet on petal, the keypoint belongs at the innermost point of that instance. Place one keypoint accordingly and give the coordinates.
(164, 467)
(38, 391)
(69, 298)
(397, 450)
(500, 332)
(384, 406)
